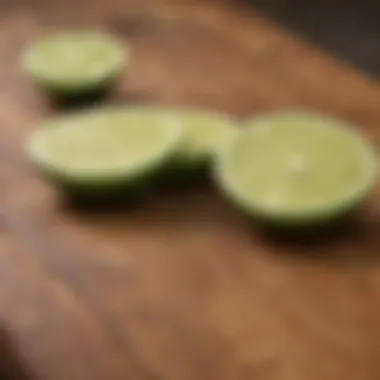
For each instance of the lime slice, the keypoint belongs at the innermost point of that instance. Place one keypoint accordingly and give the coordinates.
(103, 150)
(205, 133)
(297, 169)
(74, 61)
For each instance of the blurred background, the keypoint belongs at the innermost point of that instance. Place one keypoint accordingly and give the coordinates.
(349, 28)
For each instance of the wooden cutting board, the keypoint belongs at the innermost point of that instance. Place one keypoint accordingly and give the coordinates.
(180, 287)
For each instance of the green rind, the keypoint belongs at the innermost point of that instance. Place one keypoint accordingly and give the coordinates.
(79, 95)
(121, 189)
(180, 172)
(311, 226)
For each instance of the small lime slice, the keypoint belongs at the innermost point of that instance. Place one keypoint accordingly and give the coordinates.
(205, 133)
(100, 150)
(74, 61)
(297, 169)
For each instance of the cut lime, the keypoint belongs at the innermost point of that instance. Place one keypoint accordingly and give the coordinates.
(297, 169)
(205, 133)
(104, 151)
(74, 62)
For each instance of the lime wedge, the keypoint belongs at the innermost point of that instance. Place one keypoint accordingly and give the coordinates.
(297, 169)
(205, 133)
(73, 62)
(96, 152)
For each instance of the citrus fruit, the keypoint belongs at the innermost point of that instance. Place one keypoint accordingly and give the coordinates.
(205, 132)
(101, 153)
(72, 63)
(297, 169)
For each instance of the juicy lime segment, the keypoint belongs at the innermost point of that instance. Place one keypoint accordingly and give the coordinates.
(75, 60)
(297, 167)
(205, 133)
(101, 149)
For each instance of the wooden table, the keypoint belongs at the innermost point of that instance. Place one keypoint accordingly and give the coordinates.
(181, 288)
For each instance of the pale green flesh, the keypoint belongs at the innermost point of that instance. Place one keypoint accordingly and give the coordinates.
(290, 164)
(205, 133)
(72, 57)
(101, 143)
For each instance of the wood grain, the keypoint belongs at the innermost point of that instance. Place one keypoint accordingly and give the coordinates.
(180, 287)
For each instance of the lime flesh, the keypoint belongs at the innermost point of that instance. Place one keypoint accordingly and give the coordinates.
(205, 133)
(297, 168)
(103, 149)
(74, 61)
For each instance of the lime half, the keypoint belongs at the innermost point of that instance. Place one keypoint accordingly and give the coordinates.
(100, 151)
(205, 133)
(74, 62)
(297, 169)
